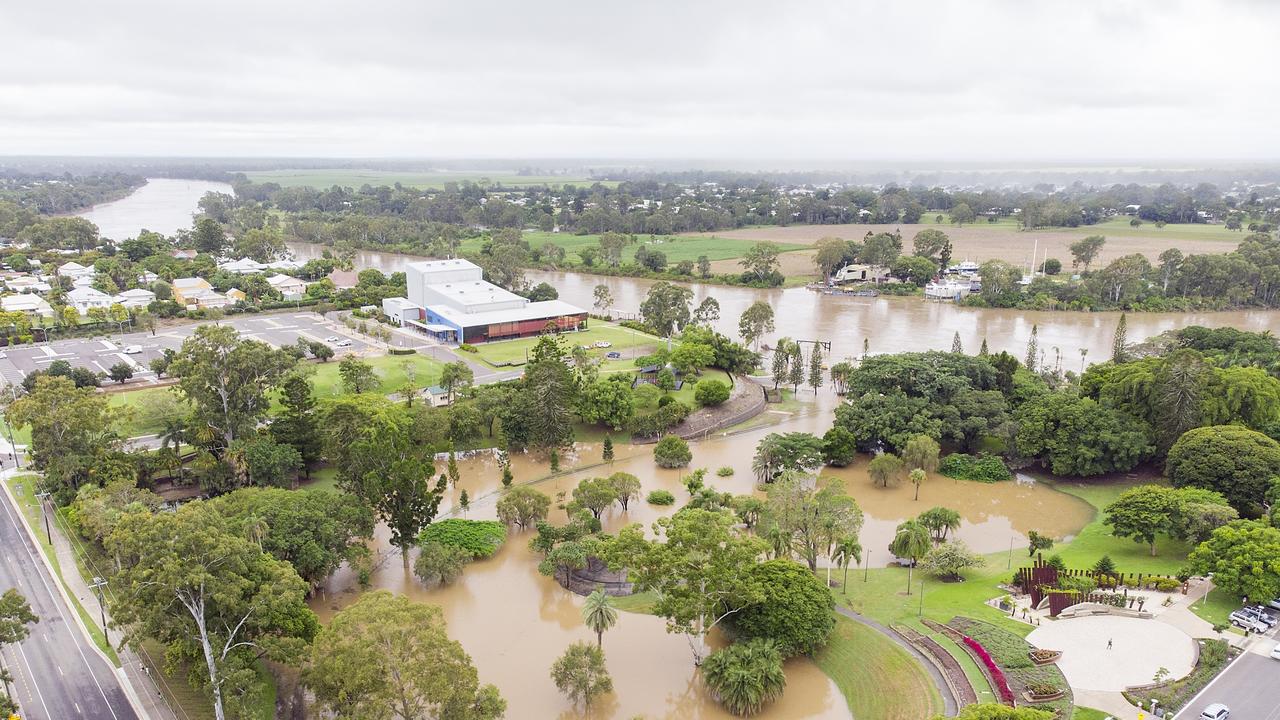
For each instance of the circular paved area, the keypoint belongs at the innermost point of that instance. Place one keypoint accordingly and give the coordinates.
(1139, 648)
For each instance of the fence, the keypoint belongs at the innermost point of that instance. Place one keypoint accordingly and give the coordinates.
(1035, 579)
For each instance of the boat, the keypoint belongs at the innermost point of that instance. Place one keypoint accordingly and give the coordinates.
(948, 289)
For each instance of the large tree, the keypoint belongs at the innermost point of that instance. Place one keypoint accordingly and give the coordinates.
(210, 595)
(780, 452)
(796, 611)
(755, 321)
(226, 378)
(911, 541)
(541, 414)
(699, 570)
(67, 423)
(298, 424)
(1244, 557)
(1072, 435)
(1235, 461)
(580, 673)
(315, 531)
(523, 506)
(666, 307)
(1084, 251)
(761, 261)
(387, 657)
(813, 517)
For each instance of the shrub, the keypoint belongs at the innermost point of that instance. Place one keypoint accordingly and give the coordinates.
(982, 468)
(672, 452)
(1006, 694)
(711, 392)
(465, 347)
(481, 538)
(665, 400)
(1043, 688)
(661, 497)
(795, 610)
(401, 351)
(1167, 585)
(724, 471)
(745, 676)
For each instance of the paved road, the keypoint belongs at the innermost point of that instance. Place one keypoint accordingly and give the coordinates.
(100, 354)
(1250, 688)
(58, 674)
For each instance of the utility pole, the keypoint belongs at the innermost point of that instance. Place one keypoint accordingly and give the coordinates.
(42, 497)
(866, 569)
(13, 445)
(920, 612)
(99, 583)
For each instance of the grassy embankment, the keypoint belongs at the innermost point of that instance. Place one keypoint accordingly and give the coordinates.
(675, 247)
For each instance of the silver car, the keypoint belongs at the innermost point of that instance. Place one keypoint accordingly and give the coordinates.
(1216, 711)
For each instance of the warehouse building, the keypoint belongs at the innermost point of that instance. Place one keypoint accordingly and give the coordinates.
(451, 301)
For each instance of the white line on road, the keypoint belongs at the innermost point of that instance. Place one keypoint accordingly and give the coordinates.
(35, 684)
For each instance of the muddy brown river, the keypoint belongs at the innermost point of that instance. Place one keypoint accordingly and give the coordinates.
(514, 622)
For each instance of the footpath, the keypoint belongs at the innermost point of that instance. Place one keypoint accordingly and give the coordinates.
(142, 671)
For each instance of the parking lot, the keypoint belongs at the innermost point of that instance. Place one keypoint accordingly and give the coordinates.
(99, 354)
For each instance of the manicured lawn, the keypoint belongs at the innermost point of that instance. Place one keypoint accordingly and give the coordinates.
(323, 479)
(1083, 713)
(1217, 607)
(1095, 539)
(676, 248)
(353, 178)
(878, 678)
(389, 368)
(624, 340)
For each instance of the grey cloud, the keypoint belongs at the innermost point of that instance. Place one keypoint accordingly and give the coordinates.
(982, 79)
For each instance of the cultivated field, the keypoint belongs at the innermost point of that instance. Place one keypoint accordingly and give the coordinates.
(323, 178)
(983, 241)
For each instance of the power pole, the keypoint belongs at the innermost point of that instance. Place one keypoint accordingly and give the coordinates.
(43, 497)
(97, 584)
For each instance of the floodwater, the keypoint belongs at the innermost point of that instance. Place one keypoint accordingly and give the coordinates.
(515, 622)
(889, 324)
(162, 205)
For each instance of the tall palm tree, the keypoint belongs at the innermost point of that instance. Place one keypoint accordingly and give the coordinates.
(911, 540)
(847, 550)
(599, 614)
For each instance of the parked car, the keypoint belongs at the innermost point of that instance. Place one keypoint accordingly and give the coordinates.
(1216, 711)
(343, 343)
(132, 349)
(1274, 604)
(1275, 653)
(4, 355)
(603, 344)
(331, 339)
(615, 355)
(1257, 613)
(1248, 623)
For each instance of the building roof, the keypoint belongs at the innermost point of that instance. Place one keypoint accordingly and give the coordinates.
(473, 292)
(284, 280)
(532, 311)
(25, 301)
(71, 267)
(190, 282)
(137, 293)
(243, 265)
(427, 266)
(87, 293)
(344, 279)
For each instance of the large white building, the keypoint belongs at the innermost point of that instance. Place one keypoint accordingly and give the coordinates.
(451, 300)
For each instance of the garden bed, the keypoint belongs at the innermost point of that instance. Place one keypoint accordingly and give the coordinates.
(1012, 655)
(1214, 655)
(961, 688)
(1044, 657)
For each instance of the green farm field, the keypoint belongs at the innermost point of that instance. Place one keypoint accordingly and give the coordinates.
(675, 247)
(327, 178)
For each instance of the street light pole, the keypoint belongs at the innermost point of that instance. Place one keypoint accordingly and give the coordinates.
(101, 604)
(920, 612)
(866, 569)
(13, 445)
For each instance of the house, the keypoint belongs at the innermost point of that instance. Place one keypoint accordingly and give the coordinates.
(26, 303)
(285, 265)
(27, 283)
(243, 266)
(135, 298)
(184, 254)
(205, 298)
(82, 282)
(236, 295)
(85, 298)
(75, 270)
(182, 286)
(147, 277)
(290, 287)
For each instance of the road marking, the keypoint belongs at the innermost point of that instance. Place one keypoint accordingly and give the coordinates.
(78, 710)
(1205, 689)
(76, 637)
(107, 345)
(35, 684)
(60, 670)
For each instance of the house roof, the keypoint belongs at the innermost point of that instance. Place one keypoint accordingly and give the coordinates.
(87, 293)
(137, 293)
(344, 278)
(190, 282)
(533, 311)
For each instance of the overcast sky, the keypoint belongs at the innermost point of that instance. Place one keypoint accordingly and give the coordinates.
(987, 80)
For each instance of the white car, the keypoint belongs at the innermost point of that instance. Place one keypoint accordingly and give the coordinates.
(1275, 653)
(331, 339)
(343, 343)
(4, 355)
(1216, 711)
(132, 349)
(603, 344)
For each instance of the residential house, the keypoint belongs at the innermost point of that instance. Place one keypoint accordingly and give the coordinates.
(27, 283)
(135, 298)
(184, 254)
(205, 298)
(438, 396)
(290, 287)
(26, 303)
(236, 295)
(75, 270)
(85, 298)
(243, 266)
(285, 265)
(182, 286)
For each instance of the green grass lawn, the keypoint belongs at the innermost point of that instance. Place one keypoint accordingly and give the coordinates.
(1119, 227)
(878, 678)
(675, 247)
(624, 340)
(389, 368)
(325, 178)
(1082, 713)
(1095, 539)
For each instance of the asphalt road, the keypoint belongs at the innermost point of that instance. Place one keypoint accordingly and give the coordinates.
(1250, 688)
(100, 354)
(57, 673)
